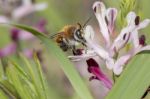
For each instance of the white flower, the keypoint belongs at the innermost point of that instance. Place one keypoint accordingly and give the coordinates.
(99, 50)
(138, 44)
(129, 34)
(23, 10)
(27, 8)
(106, 18)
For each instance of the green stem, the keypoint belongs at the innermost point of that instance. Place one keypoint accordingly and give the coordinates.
(114, 78)
(8, 91)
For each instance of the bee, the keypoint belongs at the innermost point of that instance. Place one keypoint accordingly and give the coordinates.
(70, 36)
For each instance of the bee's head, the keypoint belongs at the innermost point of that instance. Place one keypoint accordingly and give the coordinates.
(78, 34)
(62, 44)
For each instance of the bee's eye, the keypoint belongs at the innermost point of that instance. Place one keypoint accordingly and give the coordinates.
(78, 34)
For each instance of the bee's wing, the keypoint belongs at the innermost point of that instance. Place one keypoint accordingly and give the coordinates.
(54, 35)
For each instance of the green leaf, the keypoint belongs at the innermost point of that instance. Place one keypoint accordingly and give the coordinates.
(39, 69)
(33, 76)
(8, 89)
(2, 95)
(134, 81)
(17, 82)
(21, 71)
(66, 65)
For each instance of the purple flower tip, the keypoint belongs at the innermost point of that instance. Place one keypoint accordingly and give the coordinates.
(42, 23)
(93, 68)
(92, 62)
(14, 34)
(94, 9)
(137, 20)
(142, 39)
(8, 50)
(41, 26)
(92, 78)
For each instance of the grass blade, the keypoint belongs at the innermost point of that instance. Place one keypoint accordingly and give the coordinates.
(134, 81)
(66, 65)
(39, 69)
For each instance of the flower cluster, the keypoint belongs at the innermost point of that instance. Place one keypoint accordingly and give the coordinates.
(110, 52)
(22, 11)
(25, 8)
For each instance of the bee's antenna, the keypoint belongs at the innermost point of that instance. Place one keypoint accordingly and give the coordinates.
(87, 21)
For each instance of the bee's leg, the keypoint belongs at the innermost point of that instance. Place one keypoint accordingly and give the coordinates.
(74, 50)
(86, 50)
(63, 46)
(85, 47)
(77, 51)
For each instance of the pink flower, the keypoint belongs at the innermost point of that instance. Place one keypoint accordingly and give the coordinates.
(4, 19)
(23, 10)
(94, 68)
(27, 8)
(41, 26)
(17, 34)
(8, 50)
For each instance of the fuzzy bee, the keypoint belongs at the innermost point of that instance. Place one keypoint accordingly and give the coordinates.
(70, 36)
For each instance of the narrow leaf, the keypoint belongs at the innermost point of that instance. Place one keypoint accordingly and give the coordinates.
(134, 81)
(66, 65)
(39, 69)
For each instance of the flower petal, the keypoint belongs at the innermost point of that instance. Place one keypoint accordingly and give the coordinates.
(24, 35)
(28, 53)
(41, 26)
(40, 6)
(94, 68)
(99, 8)
(117, 69)
(121, 40)
(89, 34)
(111, 17)
(26, 2)
(86, 54)
(135, 38)
(100, 12)
(98, 49)
(27, 9)
(8, 50)
(14, 34)
(110, 63)
(22, 11)
(131, 18)
(143, 24)
(140, 49)
(4, 19)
